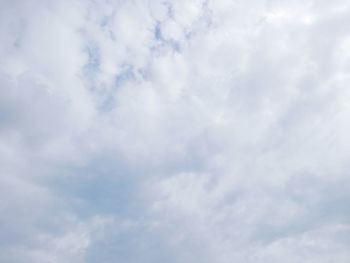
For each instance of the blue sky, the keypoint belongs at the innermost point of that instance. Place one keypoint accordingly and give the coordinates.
(174, 131)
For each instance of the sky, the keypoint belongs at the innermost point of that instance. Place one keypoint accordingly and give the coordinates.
(179, 131)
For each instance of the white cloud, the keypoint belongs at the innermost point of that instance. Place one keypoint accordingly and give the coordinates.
(146, 131)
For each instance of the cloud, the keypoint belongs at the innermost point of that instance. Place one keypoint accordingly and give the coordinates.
(146, 131)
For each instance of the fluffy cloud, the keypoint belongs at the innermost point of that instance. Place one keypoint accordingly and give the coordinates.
(178, 131)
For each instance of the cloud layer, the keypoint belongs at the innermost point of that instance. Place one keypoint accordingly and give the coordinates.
(174, 131)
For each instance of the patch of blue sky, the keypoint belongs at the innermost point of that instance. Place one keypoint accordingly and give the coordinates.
(92, 67)
(174, 45)
(158, 32)
(126, 75)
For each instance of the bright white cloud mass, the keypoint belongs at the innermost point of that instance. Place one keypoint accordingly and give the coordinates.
(180, 131)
